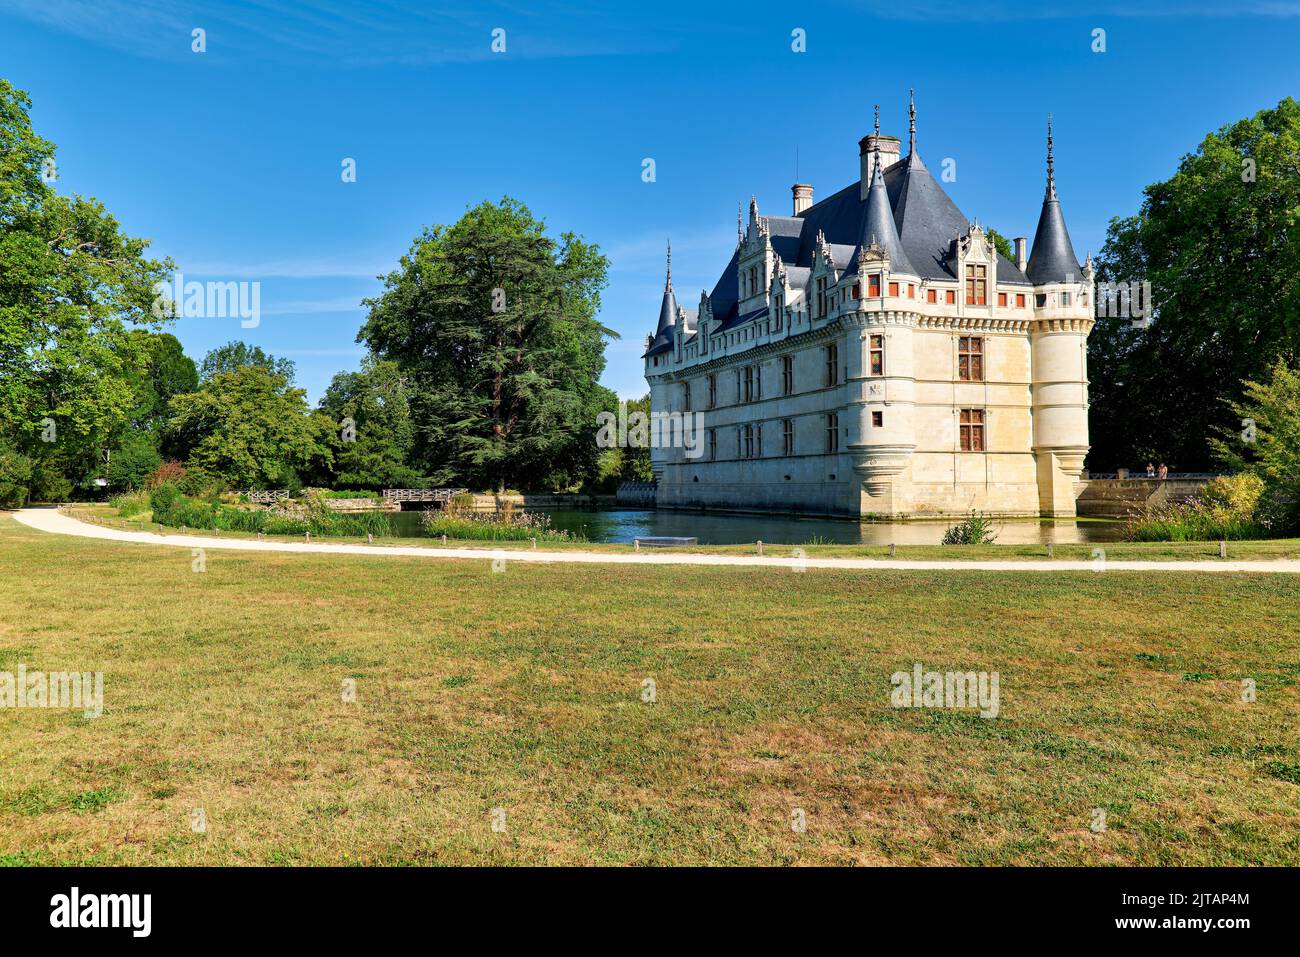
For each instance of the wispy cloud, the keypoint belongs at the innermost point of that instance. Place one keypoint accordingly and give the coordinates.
(328, 267)
(334, 33)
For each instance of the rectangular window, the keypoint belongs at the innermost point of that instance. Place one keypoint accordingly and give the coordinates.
(739, 395)
(857, 290)
(787, 437)
(1065, 298)
(821, 296)
(1020, 300)
(877, 419)
(713, 391)
(1040, 299)
(893, 289)
(932, 295)
(749, 383)
(749, 442)
(1002, 299)
(832, 365)
(876, 350)
(787, 375)
(972, 430)
(873, 285)
(758, 441)
(970, 359)
(832, 432)
(976, 285)
(950, 297)
(911, 290)
(686, 397)
(713, 445)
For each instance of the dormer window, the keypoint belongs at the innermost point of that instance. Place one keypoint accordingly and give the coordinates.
(821, 296)
(976, 285)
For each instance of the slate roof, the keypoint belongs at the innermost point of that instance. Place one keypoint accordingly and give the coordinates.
(663, 340)
(926, 220)
(1052, 258)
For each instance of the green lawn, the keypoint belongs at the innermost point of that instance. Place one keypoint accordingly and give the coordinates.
(522, 690)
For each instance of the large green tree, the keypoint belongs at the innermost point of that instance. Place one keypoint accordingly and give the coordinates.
(375, 434)
(1266, 442)
(250, 428)
(72, 288)
(493, 324)
(1219, 243)
(237, 355)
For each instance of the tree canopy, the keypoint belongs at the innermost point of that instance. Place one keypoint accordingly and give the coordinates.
(249, 427)
(237, 355)
(492, 323)
(73, 286)
(1220, 244)
(372, 449)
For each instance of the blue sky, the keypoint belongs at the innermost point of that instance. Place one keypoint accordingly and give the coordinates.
(230, 160)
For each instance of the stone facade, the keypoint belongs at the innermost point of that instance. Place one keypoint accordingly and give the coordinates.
(874, 356)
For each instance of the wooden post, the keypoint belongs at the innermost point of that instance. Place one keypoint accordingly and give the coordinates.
(636, 544)
(370, 538)
(533, 541)
(1050, 550)
(893, 550)
(444, 539)
(1223, 549)
(760, 546)
(309, 536)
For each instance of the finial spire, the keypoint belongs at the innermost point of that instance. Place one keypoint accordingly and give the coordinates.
(1051, 171)
(911, 121)
(877, 121)
(740, 234)
(668, 284)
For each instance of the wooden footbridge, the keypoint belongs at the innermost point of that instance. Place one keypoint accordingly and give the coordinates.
(435, 496)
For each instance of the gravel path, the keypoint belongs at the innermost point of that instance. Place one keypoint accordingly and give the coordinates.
(50, 520)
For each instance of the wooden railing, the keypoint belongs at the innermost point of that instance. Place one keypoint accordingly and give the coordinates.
(266, 496)
(443, 495)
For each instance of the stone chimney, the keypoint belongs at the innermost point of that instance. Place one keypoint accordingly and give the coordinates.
(866, 156)
(1020, 242)
(802, 197)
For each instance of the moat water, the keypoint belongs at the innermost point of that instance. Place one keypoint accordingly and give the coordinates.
(623, 525)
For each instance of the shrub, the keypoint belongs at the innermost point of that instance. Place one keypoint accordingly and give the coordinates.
(976, 529)
(15, 474)
(130, 504)
(1227, 509)
(133, 462)
(162, 500)
(504, 525)
(173, 508)
(169, 471)
(1235, 495)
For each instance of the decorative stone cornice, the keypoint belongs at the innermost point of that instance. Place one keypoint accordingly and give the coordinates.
(1063, 324)
(974, 323)
(831, 330)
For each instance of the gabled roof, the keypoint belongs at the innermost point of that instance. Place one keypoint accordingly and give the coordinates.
(926, 219)
(926, 222)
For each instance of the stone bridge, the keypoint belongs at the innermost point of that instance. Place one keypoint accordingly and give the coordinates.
(1109, 496)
